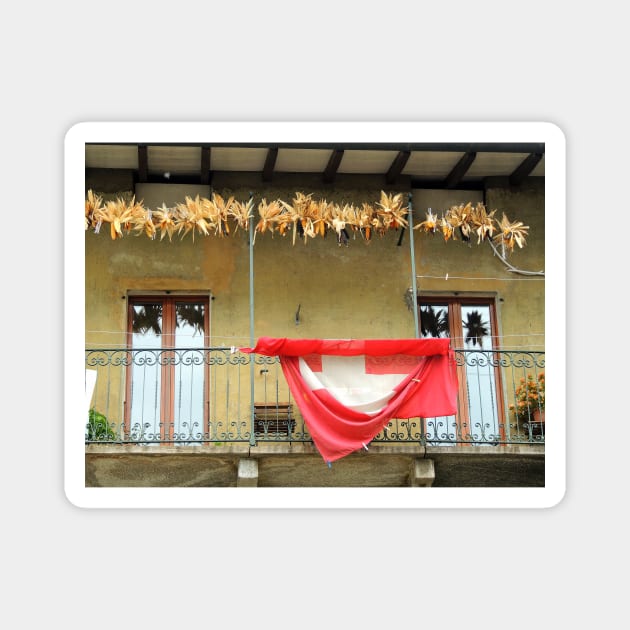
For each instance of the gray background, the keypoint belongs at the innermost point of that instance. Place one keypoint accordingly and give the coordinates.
(483, 61)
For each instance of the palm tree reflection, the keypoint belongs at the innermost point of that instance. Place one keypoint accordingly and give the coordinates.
(148, 317)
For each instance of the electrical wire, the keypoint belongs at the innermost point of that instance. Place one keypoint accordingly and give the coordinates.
(449, 277)
(243, 341)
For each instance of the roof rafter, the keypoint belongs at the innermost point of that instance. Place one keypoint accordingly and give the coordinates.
(143, 163)
(397, 166)
(270, 163)
(204, 176)
(460, 169)
(453, 147)
(333, 164)
(525, 168)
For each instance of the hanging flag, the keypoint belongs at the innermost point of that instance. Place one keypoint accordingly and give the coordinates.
(349, 390)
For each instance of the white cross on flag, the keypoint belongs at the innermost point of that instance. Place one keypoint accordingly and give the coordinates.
(349, 390)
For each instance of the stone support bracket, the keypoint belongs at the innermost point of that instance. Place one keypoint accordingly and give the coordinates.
(247, 473)
(422, 473)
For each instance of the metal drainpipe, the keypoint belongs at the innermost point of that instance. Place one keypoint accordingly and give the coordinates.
(252, 440)
(414, 288)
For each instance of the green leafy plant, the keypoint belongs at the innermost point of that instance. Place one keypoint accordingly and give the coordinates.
(98, 428)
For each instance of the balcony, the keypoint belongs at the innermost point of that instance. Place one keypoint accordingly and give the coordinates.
(181, 417)
(216, 396)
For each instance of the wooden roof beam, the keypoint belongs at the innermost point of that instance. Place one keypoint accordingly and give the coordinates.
(204, 167)
(448, 147)
(143, 163)
(332, 166)
(397, 166)
(270, 163)
(525, 168)
(460, 169)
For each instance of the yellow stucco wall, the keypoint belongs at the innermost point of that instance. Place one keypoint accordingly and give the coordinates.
(474, 269)
(354, 291)
(342, 292)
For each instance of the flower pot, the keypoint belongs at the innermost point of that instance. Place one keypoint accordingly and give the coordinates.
(538, 415)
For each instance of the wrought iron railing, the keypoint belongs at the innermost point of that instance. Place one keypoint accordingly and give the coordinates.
(214, 395)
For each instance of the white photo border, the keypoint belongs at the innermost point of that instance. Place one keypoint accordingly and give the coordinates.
(340, 132)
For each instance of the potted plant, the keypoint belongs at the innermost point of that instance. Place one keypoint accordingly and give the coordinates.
(98, 428)
(530, 399)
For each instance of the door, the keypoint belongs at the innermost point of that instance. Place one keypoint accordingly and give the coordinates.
(471, 325)
(167, 375)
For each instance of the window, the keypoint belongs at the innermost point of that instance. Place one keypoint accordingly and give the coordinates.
(167, 375)
(471, 325)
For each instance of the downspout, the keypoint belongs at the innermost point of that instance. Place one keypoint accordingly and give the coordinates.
(252, 440)
(414, 291)
(414, 288)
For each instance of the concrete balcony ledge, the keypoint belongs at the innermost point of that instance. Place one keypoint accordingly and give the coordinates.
(300, 465)
(214, 448)
(308, 448)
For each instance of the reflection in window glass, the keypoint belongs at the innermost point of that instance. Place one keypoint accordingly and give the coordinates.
(145, 408)
(480, 377)
(478, 418)
(168, 374)
(434, 320)
(434, 324)
(189, 370)
(476, 325)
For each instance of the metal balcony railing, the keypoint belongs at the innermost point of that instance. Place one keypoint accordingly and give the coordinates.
(196, 396)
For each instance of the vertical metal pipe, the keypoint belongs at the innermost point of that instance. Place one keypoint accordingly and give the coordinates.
(252, 440)
(414, 288)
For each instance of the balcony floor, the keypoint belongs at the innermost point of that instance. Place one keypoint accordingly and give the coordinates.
(300, 465)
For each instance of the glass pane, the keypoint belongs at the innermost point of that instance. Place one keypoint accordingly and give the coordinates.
(434, 320)
(188, 412)
(434, 324)
(146, 372)
(190, 323)
(476, 327)
(480, 376)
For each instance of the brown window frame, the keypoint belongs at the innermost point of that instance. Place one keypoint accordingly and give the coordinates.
(457, 336)
(167, 388)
